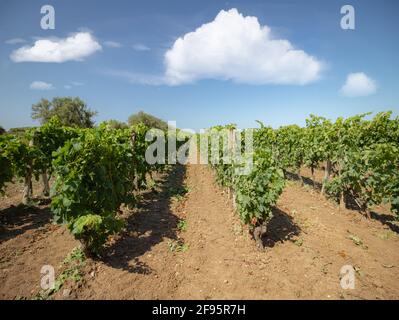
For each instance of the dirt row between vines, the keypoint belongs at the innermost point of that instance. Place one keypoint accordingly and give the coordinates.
(308, 242)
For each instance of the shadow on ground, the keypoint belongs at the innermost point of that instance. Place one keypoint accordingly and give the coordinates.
(385, 219)
(280, 228)
(16, 220)
(306, 180)
(148, 225)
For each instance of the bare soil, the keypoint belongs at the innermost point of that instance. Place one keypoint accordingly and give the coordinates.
(309, 240)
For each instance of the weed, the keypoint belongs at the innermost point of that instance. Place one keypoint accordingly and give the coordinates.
(178, 246)
(178, 192)
(357, 241)
(182, 225)
(72, 264)
(386, 235)
(298, 242)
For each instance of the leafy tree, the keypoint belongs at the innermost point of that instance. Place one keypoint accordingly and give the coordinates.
(147, 119)
(115, 124)
(72, 112)
(20, 131)
(2, 130)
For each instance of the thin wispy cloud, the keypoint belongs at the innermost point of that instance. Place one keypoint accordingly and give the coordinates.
(41, 85)
(73, 84)
(15, 41)
(112, 44)
(76, 83)
(358, 84)
(76, 47)
(136, 78)
(140, 47)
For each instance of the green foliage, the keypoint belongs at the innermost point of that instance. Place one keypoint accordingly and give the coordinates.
(96, 172)
(6, 167)
(177, 192)
(49, 138)
(370, 175)
(2, 130)
(363, 157)
(24, 159)
(148, 120)
(316, 140)
(93, 230)
(258, 190)
(72, 271)
(366, 160)
(178, 246)
(290, 146)
(72, 112)
(115, 124)
(182, 225)
(19, 132)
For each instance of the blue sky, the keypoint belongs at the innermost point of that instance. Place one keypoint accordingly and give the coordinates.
(205, 82)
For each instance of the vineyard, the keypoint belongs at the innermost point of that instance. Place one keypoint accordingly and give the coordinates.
(296, 202)
(360, 159)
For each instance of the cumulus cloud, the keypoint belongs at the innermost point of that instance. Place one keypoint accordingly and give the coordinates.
(140, 47)
(112, 44)
(358, 84)
(41, 85)
(15, 41)
(236, 47)
(76, 47)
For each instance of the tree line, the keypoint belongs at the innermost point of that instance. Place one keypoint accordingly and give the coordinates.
(74, 112)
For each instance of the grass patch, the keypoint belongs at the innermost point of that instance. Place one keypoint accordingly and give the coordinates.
(299, 242)
(72, 271)
(178, 193)
(386, 235)
(182, 225)
(357, 241)
(177, 246)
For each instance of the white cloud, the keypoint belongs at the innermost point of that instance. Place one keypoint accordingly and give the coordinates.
(15, 41)
(358, 84)
(76, 83)
(140, 47)
(238, 48)
(41, 85)
(75, 48)
(67, 86)
(112, 44)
